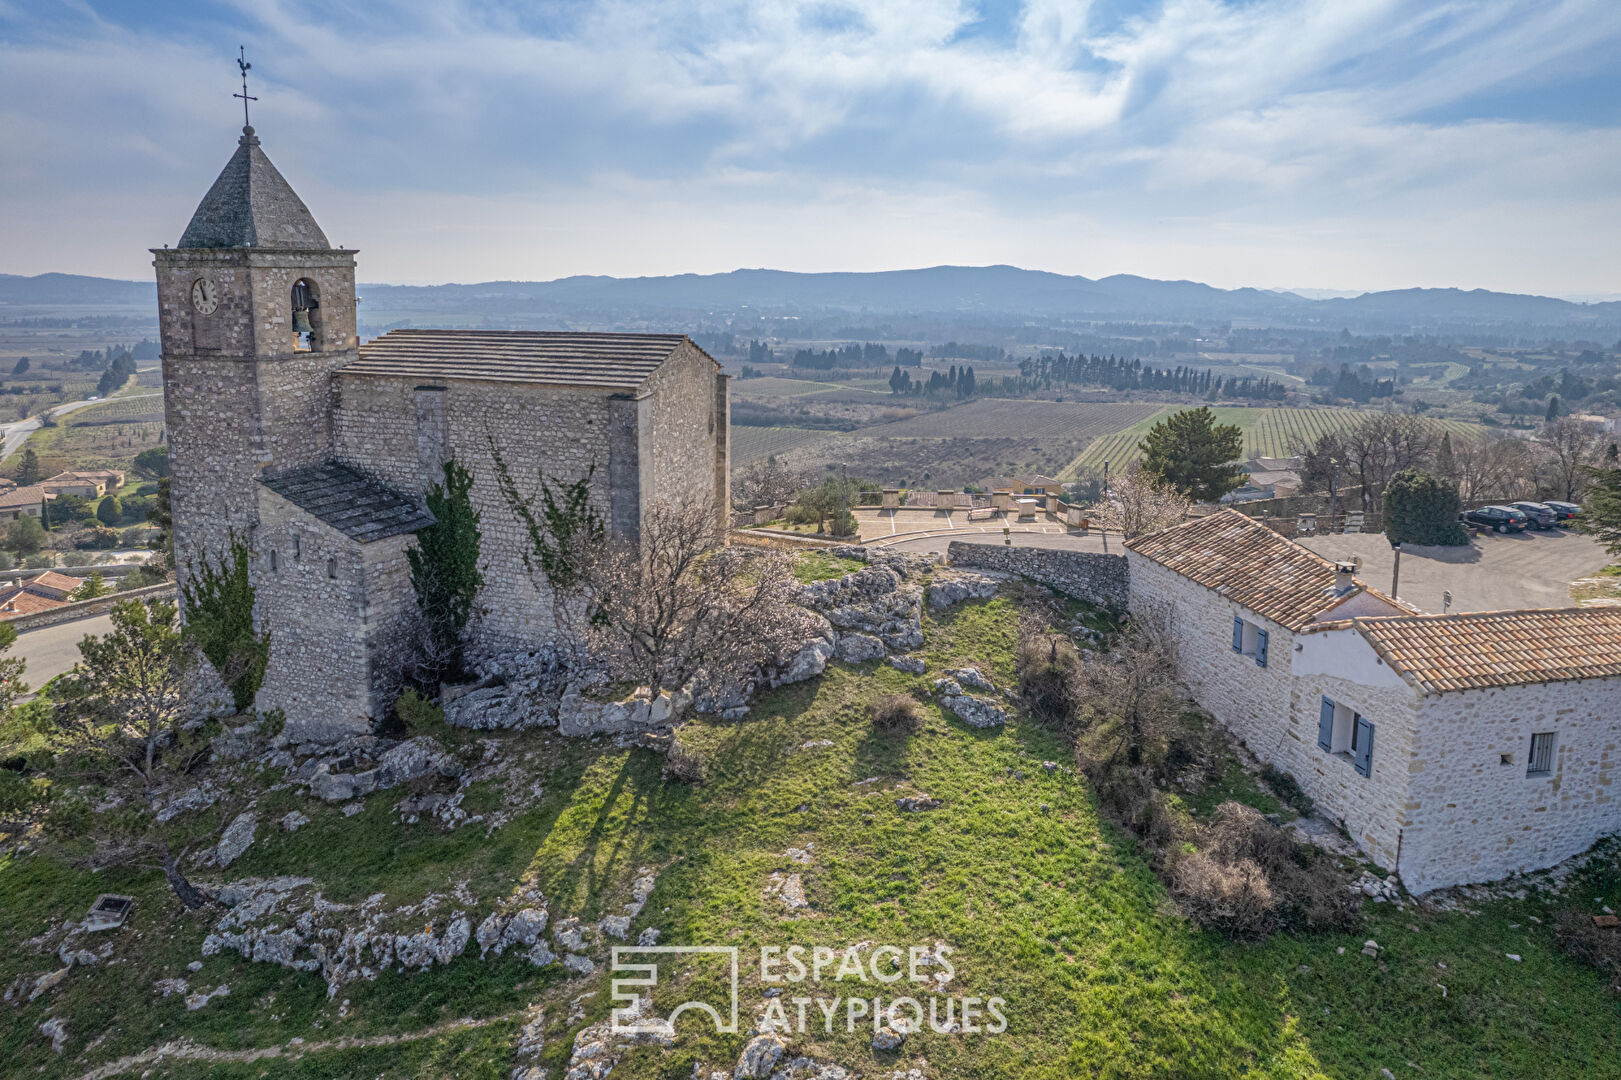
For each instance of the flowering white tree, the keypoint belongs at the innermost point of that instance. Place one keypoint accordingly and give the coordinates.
(1139, 502)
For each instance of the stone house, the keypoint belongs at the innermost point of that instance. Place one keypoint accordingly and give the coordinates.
(290, 435)
(29, 500)
(1453, 748)
(86, 483)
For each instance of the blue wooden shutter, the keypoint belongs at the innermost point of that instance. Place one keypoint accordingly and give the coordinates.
(1325, 726)
(1364, 747)
(1260, 648)
(1238, 634)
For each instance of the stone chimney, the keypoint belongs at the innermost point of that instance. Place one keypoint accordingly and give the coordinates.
(1344, 577)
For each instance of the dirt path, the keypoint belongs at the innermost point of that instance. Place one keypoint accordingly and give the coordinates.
(182, 1050)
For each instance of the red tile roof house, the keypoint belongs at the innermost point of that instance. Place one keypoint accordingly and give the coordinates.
(29, 500)
(1453, 748)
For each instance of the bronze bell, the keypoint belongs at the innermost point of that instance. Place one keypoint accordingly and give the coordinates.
(301, 321)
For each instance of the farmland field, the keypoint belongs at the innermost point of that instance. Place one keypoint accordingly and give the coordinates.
(967, 443)
(750, 444)
(771, 386)
(1268, 432)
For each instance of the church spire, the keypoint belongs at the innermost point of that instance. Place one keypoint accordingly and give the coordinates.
(251, 205)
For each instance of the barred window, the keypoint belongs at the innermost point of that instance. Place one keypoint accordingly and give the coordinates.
(1541, 760)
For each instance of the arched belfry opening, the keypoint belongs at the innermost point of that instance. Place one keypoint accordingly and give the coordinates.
(306, 302)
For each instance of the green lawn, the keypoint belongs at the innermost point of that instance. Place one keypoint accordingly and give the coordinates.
(1047, 907)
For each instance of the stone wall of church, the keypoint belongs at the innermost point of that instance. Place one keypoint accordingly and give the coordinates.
(238, 399)
(681, 399)
(336, 611)
(563, 433)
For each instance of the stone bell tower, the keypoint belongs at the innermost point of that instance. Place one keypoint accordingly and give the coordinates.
(256, 310)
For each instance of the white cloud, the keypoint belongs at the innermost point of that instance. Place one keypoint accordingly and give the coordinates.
(1242, 143)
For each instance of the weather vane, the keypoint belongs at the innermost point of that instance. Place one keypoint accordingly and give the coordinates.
(242, 62)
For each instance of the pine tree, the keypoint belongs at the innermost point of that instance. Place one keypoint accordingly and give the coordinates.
(1194, 454)
(28, 471)
(1445, 464)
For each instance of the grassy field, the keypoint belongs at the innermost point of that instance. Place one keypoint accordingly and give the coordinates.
(1045, 904)
(1278, 432)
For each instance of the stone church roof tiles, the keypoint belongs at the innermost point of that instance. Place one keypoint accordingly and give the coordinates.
(252, 206)
(1476, 650)
(349, 501)
(609, 361)
(1241, 559)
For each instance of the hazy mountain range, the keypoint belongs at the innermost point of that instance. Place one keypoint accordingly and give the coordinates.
(963, 290)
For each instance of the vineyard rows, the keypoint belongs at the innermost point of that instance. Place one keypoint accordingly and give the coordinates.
(1267, 433)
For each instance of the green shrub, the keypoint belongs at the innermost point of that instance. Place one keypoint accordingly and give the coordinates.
(418, 715)
(1423, 509)
(219, 620)
(1287, 788)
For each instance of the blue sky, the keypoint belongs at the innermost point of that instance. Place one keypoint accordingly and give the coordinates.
(1326, 143)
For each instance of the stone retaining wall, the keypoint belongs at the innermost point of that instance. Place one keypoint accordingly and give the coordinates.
(85, 609)
(1085, 575)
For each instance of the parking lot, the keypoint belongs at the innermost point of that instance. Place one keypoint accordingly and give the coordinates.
(1517, 570)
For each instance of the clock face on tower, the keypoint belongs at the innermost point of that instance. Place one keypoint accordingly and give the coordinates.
(204, 296)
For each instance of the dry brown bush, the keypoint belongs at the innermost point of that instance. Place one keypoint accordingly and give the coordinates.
(1235, 898)
(685, 764)
(895, 714)
(1596, 946)
(1050, 677)
(1239, 832)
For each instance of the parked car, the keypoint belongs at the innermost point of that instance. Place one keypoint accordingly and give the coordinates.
(1567, 511)
(1503, 519)
(1541, 515)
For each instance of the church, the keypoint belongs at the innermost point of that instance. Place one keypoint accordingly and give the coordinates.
(315, 449)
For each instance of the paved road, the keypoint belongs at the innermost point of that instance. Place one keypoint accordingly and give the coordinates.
(1521, 570)
(15, 434)
(52, 650)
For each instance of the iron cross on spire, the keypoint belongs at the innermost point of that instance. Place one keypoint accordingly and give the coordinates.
(242, 62)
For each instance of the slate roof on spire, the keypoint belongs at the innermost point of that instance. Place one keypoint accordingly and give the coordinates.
(251, 206)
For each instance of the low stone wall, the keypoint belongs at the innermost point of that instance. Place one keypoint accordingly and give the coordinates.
(1085, 575)
(85, 609)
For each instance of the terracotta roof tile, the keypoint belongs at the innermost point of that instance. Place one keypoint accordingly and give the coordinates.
(25, 603)
(32, 495)
(1249, 564)
(1474, 650)
(610, 361)
(51, 581)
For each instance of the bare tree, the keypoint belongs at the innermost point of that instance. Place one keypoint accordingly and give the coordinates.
(1494, 467)
(1571, 446)
(1137, 502)
(766, 483)
(1135, 690)
(1382, 445)
(676, 604)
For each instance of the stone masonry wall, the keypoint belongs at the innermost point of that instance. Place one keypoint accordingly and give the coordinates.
(1473, 818)
(1085, 575)
(681, 436)
(1370, 807)
(563, 433)
(1251, 701)
(238, 398)
(335, 610)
